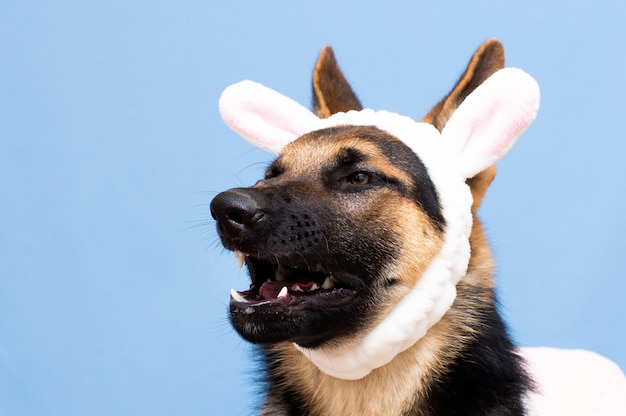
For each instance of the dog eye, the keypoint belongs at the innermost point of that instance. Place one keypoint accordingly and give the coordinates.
(360, 178)
(272, 172)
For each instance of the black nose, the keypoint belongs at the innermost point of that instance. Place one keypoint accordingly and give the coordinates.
(237, 209)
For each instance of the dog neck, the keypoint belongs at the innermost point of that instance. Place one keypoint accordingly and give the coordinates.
(435, 291)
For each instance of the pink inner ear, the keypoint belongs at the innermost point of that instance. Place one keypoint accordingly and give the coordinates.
(489, 121)
(264, 117)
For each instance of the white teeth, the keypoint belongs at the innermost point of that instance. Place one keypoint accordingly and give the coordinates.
(298, 288)
(241, 258)
(283, 292)
(328, 283)
(236, 296)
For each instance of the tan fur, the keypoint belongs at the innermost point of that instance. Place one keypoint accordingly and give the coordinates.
(309, 155)
(402, 379)
(396, 386)
(331, 92)
(487, 59)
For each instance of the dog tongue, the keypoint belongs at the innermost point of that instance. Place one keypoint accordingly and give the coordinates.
(270, 290)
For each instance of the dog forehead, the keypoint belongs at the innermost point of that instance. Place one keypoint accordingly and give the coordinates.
(365, 146)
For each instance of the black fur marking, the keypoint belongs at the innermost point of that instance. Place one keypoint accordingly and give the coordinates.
(351, 161)
(277, 390)
(274, 170)
(401, 156)
(488, 378)
(424, 192)
(349, 156)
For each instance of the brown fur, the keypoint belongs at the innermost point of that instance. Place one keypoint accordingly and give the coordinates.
(331, 92)
(333, 396)
(417, 381)
(488, 59)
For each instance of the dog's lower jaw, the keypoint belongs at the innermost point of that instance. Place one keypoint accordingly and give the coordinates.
(275, 320)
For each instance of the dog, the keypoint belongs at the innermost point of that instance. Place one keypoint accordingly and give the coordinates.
(345, 234)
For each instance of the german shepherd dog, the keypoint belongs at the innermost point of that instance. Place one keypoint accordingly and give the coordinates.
(344, 224)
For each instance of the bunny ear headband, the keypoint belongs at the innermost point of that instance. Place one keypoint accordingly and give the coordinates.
(481, 130)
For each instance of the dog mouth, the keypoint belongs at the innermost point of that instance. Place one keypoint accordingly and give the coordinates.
(279, 284)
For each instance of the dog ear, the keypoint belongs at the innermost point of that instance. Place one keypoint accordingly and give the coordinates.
(331, 91)
(487, 59)
(489, 121)
(264, 117)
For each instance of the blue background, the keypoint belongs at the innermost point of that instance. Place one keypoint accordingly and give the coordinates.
(113, 287)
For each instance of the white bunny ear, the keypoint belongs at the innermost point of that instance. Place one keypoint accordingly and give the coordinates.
(491, 118)
(264, 117)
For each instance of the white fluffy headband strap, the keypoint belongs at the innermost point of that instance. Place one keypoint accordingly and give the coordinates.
(482, 129)
(479, 133)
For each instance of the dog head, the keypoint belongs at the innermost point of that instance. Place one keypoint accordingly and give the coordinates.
(357, 235)
(326, 226)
